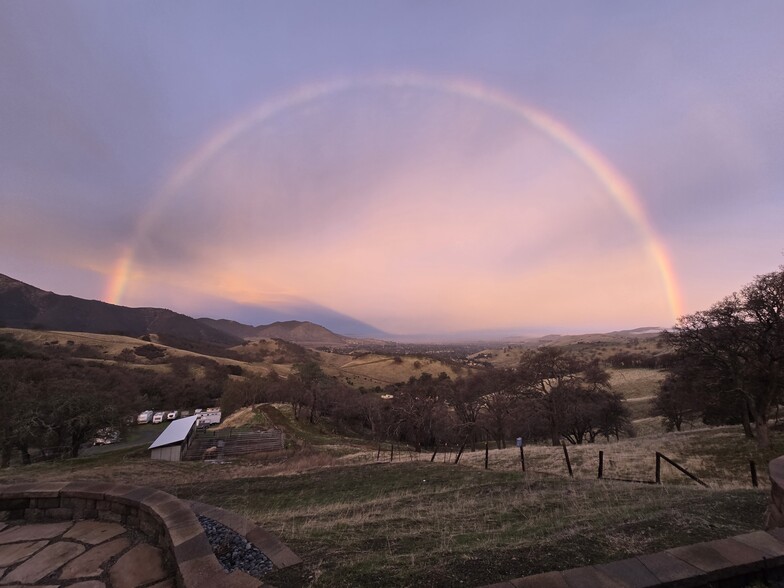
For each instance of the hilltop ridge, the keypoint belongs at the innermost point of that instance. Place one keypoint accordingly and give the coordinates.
(301, 332)
(26, 307)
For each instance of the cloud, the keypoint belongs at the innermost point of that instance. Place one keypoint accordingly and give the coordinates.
(405, 221)
(408, 208)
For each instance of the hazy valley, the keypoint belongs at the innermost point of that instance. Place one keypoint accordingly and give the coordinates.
(400, 465)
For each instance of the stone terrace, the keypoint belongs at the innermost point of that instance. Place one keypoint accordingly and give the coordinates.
(83, 554)
(99, 535)
(726, 563)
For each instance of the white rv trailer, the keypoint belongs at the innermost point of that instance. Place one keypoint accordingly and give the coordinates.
(211, 416)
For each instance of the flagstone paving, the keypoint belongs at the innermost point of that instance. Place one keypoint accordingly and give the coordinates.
(18, 552)
(88, 565)
(140, 565)
(32, 532)
(49, 559)
(94, 532)
(85, 554)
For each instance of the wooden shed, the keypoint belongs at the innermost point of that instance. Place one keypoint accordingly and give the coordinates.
(172, 443)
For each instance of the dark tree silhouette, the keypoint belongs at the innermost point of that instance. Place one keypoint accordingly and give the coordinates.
(737, 348)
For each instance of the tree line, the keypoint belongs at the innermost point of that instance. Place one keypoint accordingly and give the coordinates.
(551, 395)
(728, 362)
(55, 403)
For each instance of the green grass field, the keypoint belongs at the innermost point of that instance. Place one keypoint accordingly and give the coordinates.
(430, 524)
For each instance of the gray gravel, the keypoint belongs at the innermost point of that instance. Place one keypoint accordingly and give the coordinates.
(233, 551)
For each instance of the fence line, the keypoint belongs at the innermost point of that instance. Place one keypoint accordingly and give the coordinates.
(661, 456)
(601, 472)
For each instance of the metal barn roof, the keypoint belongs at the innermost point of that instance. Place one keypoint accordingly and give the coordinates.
(176, 432)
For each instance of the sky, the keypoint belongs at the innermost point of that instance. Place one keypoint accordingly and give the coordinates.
(412, 168)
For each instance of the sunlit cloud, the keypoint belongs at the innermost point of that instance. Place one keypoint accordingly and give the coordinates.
(405, 221)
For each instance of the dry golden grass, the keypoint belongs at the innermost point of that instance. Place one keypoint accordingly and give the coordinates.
(242, 418)
(107, 347)
(590, 346)
(718, 455)
(356, 522)
(373, 369)
(635, 383)
(111, 344)
(133, 466)
(423, 524)
(646, 426)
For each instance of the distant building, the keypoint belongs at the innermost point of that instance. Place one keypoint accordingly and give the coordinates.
(211, 416)
(172, 443)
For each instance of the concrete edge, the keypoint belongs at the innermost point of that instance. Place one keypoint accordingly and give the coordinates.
(699, 564)
(278, 552)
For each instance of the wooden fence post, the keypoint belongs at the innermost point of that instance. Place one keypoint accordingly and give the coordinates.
(487, 454)
(601, 464)
(680, 468)
(459, 453)
(658, 467)
(522, 458)
(433, 458)
(568, 462)
(753, 468)
(378, 455)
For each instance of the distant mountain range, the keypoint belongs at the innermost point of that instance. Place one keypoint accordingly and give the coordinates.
(27, 307)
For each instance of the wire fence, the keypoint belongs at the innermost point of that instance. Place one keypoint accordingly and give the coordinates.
(627, 462)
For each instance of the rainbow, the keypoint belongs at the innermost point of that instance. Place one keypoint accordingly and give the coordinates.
(615, 184)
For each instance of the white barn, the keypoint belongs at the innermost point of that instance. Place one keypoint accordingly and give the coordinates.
(172, 443)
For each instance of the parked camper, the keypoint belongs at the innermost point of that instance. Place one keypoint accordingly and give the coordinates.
(211, 416)
(171, 415)
(158, 417)
(144, 417)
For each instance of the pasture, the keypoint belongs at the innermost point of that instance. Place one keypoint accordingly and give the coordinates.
(413, 522)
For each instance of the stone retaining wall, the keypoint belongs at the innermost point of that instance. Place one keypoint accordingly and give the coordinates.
(166, 520)
(776, 506)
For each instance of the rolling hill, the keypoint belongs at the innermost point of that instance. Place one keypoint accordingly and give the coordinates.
(300, 332)
(26, 307)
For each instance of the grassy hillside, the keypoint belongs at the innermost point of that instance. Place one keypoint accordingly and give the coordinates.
(373, 369)
(359, 519)
(25, 306)
(422, 524)
(586, 347)
(366, 370)
(639, 387)
(116, 349)
(411, 522)
(636, 383)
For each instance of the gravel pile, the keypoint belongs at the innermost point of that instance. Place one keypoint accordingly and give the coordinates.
(233, 550)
